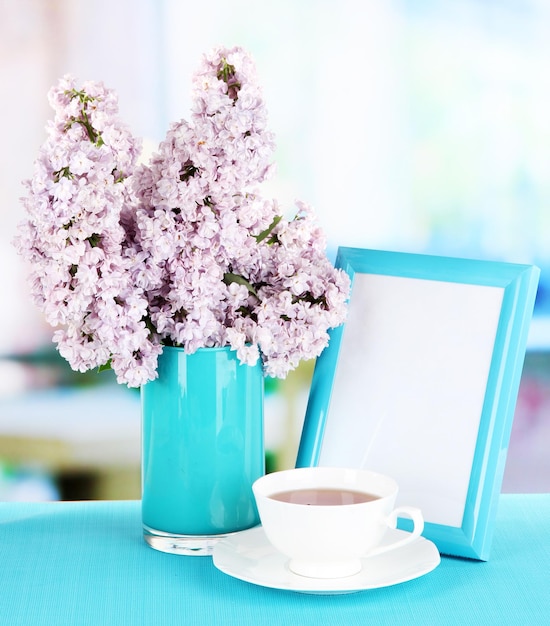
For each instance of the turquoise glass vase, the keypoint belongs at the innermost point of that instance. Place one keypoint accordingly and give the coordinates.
(203, 447)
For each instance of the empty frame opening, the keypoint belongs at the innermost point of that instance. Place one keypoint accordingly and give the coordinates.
(409, 386)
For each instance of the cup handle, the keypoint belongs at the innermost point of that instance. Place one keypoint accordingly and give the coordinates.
(418, 522)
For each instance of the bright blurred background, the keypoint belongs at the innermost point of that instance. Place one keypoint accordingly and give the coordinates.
(411, 125)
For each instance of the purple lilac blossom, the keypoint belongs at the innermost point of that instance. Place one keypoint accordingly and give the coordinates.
(184, 251)
(73, 238)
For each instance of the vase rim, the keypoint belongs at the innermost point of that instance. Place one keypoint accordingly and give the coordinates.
(203, 349)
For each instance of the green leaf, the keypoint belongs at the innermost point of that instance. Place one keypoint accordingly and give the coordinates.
(105, 367)
(64, 172)
(94, 240)
(265, 233)
(229, 278)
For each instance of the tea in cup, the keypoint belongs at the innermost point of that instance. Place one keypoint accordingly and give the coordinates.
(327, 519)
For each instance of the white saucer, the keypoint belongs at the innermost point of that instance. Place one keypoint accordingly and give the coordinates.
(249, 556)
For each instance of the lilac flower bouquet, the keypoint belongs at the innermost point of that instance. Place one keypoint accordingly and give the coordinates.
(183, 251)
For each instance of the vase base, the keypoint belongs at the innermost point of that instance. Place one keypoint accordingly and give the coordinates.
(187, 545)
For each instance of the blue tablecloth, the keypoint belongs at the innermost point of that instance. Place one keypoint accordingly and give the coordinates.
(86, 563)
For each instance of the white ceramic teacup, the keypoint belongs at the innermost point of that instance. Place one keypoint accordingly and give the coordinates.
(329, 540)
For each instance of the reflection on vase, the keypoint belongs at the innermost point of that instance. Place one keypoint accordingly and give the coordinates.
(202, 449)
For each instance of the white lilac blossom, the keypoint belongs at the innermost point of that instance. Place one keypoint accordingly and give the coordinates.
(184, 251)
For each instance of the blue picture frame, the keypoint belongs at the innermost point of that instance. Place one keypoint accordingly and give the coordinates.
(484, 308)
